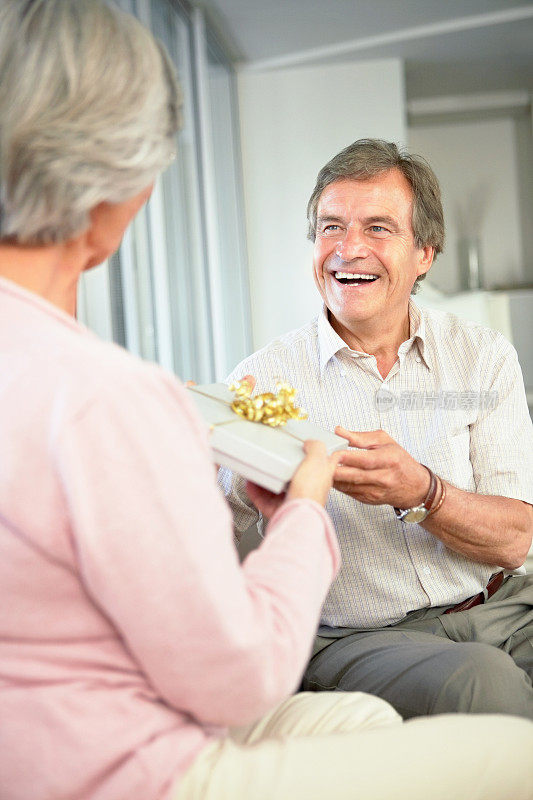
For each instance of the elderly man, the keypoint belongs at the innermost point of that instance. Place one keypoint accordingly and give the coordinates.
(432, 609)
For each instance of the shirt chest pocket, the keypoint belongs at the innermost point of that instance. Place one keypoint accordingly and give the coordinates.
(441, 441)
(446, 450)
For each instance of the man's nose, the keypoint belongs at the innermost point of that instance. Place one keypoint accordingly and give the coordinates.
(352, 246)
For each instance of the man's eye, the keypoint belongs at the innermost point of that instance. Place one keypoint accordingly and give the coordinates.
(331, 228)
(378, 229)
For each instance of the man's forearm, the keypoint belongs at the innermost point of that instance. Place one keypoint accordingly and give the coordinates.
(485, 528)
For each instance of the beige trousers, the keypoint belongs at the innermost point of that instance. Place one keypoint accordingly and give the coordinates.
(348, 745)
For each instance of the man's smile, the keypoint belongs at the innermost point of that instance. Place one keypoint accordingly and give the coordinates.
(355, 278)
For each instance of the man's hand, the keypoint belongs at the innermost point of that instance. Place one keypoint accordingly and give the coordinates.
(380, 472)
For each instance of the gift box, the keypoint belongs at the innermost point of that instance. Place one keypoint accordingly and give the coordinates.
(262, 454)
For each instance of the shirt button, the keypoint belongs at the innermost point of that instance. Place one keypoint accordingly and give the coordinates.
(426, 571)
(418, 360)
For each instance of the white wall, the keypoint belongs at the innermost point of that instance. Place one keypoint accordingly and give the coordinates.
(476, 164)
(292, 122)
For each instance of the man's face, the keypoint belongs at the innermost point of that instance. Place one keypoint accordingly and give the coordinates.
(364, 228)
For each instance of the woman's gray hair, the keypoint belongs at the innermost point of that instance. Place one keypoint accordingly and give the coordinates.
(367, 158)
(89, 109)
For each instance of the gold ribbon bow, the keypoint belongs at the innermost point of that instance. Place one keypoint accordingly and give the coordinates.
(268, 408)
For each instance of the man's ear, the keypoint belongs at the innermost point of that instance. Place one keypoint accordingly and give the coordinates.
(427, 254)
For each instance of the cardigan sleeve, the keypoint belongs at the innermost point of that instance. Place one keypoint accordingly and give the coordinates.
(220, 641)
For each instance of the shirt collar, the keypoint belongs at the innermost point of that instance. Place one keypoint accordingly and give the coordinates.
(330, 343)
(418, 333)
(28, 297)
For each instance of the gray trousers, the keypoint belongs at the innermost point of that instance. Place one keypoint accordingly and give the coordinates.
(480, 660)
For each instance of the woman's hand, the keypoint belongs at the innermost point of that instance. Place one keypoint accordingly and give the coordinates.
(312, 480)
(314, 477)
(264, 500)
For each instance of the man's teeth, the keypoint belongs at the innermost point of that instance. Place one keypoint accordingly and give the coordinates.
(354, 276)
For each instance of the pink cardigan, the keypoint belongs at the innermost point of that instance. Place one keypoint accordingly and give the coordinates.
(130, 636)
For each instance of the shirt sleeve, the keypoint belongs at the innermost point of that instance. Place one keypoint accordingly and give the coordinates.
(220, 641)
(245, 514)
(501, 439)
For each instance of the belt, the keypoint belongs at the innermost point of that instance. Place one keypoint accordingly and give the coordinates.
(492, 586)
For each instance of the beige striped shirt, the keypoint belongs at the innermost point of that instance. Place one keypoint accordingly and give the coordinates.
(455, 401)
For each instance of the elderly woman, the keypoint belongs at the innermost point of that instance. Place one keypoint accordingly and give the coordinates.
(130, 637)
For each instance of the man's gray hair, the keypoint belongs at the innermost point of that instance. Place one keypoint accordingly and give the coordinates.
(89, 109)
(367, 158)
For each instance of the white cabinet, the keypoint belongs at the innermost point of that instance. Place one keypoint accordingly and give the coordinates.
(510, 312)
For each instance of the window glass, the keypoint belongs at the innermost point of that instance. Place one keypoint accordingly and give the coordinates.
(182, 218)
(233, 281)
(176, 292)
